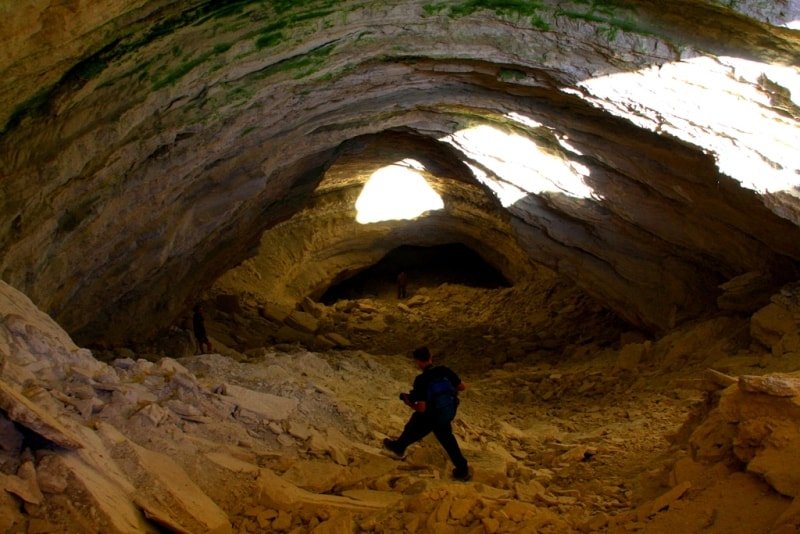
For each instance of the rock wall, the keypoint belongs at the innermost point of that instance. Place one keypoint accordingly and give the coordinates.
(146, 146)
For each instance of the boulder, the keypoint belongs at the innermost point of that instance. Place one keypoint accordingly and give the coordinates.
(746, 292)
(302, 321)
(769, 324)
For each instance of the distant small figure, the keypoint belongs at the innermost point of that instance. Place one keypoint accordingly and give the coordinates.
(402, 282)
(434, 399)
(203, 344)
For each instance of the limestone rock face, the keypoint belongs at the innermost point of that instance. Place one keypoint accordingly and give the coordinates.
(647, 152)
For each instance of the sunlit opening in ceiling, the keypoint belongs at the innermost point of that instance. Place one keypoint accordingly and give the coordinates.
(514, 166)
(709, 102)
(396, 192)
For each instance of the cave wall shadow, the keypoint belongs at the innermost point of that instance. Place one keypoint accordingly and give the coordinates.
(452, 263)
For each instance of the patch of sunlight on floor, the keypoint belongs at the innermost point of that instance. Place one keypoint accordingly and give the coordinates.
(514, 166)
(741, 111)
(396, 192)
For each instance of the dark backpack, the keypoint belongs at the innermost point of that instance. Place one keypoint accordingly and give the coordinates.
(441, 400)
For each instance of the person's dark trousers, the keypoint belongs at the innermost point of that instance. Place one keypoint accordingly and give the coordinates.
(420, 426)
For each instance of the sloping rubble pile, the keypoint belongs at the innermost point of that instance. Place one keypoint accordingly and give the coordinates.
(640, 437)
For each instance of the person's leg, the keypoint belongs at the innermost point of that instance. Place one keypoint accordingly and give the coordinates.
(444, 433)
(418, 427)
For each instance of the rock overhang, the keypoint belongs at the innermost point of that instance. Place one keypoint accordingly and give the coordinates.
(180, 131)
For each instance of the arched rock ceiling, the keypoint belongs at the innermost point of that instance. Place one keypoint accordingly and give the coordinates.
(146, 145)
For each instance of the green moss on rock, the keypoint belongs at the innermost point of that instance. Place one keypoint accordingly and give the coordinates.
(531, 9)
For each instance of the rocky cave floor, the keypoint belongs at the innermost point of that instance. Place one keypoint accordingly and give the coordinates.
(571, 422)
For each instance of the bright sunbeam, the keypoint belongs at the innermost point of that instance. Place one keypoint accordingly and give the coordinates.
(740, 111)
(396, 192)
(517, 165)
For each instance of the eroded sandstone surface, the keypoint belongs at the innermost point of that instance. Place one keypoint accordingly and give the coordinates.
(647, 152)
(696, 431)
(628, 168)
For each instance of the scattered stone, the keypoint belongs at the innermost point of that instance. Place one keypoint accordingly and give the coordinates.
(299, 430)
(776, 385)
(51, 475)
(24, 485)
(338, 524)
(153, 414)
(529, 491)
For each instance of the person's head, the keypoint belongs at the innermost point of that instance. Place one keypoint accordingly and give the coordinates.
(198, 308)
(422, 357)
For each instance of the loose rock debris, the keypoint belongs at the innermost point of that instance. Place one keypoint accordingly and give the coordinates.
(696, 431)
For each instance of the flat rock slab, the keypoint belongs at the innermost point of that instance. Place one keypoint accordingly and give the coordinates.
(302, 321)
(228, 462)
(164, 490)
(110, 497)
(318, 476)
(275, 492)
(22, 410)
(265, 405)
(775, 385)
(378, 498)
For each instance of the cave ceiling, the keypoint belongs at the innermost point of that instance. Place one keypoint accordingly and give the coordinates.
(645, 150)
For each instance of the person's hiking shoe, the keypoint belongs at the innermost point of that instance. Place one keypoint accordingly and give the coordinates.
(391, 446)
(462, 474)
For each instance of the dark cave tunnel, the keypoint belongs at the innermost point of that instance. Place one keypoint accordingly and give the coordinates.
(452, 263)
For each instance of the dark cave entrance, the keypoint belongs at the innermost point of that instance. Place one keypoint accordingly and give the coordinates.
(452, 263)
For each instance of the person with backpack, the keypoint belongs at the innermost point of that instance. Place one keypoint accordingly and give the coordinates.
(434, 399)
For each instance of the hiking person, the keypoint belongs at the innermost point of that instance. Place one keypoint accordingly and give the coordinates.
(402, 282)
(198, 322)
(434, 399)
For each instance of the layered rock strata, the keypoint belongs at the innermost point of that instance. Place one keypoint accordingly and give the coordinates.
(145, 147)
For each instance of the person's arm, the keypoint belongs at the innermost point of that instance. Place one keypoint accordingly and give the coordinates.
(417, 406)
